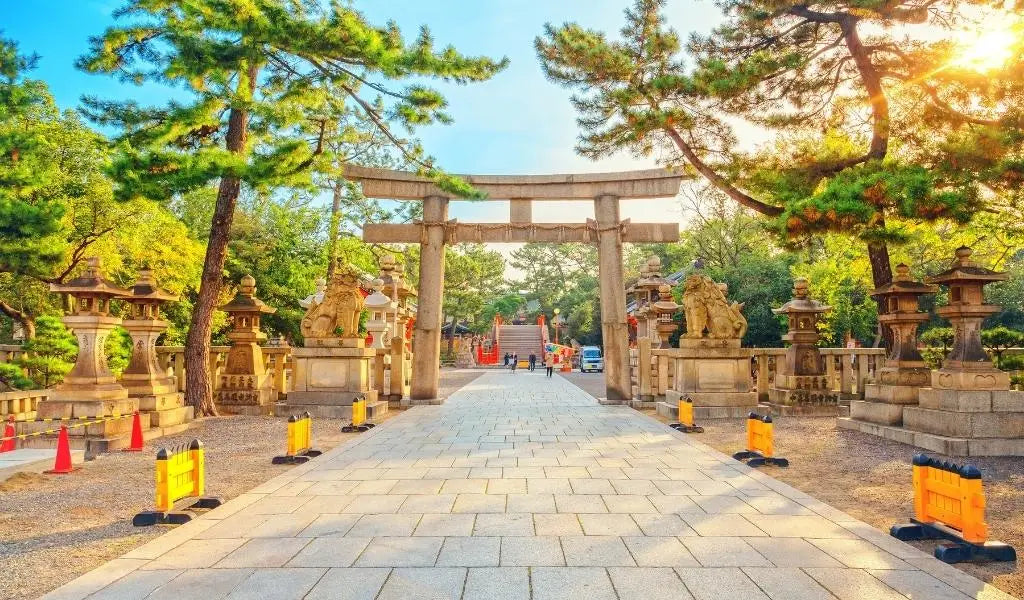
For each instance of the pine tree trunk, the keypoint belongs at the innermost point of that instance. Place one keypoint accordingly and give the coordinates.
(334, 228)
(198, 386)
(881, 274)
(27, 322)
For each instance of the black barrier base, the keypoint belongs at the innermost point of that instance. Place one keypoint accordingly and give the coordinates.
(355, 428)
(756, 459)
(176, 517)
(957, 549)
(686, 428)
(295, 459)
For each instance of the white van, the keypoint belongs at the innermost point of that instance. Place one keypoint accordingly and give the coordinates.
(591, 359)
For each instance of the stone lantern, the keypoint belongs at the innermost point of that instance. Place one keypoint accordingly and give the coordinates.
(381, 308)
(896, 384)
(244, 380)
(157, 392)
(968, 367)
(801, 375)
(645, 293)
(969, 410)
(664, 309)
(90, 388)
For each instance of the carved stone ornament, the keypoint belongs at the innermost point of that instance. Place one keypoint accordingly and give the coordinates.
(707, 309)
(337, 315)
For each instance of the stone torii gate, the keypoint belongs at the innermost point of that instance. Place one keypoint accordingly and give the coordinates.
(608, 231)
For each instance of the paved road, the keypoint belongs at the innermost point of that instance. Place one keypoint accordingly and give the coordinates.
(524, 487)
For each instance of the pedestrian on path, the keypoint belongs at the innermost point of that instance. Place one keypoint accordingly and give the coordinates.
(533, 362)
(515, 362)
(549, 362)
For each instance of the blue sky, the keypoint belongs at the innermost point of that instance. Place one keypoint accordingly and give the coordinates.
(516, 123)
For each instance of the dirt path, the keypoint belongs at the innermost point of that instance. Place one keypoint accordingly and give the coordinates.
(870, 478)
(53, 529)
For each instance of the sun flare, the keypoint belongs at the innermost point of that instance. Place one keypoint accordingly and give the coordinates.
(985, 49)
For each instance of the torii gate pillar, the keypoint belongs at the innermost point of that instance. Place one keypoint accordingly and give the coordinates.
(613, 299)
(426, 340)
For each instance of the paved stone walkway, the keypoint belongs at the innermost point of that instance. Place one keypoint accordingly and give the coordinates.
(522, 487)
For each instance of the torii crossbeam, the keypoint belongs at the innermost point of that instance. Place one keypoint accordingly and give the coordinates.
(607, 231)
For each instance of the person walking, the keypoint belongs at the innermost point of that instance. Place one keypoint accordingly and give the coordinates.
(549, 363)
(533, 362)
(506, 359)
(515, 362)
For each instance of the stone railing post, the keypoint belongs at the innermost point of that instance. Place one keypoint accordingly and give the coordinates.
(644, 369)
(763, 376)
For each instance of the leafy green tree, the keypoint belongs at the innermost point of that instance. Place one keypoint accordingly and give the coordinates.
(12, 377)
(51, 353)
(258, 77)
(472, 275)
(563, 276)
(873, 126)
(1000, 339)
(936, 343)
(506, 305)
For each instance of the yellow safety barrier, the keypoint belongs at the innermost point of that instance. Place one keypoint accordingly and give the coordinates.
(180, 474)
(300, 441)
(760, 443)
(949, 503)
(686, 424)
(359, 422)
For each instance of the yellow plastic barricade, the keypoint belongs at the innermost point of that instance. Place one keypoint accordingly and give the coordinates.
(180, 474)
(949, 503)
(686, 424)
(359, 422)
(760, 443)
(299, 447)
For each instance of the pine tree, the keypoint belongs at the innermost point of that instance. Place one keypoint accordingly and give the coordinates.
(260, 74)
(873, 126)
(51, 354)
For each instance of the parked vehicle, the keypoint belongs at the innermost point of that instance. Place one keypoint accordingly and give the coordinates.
(591, 359)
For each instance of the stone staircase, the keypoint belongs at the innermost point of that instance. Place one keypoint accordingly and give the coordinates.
(522, 340)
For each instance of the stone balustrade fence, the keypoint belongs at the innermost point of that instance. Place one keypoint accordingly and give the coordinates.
(846, 369)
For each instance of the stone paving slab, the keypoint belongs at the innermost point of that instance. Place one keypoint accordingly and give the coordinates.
(522, 487)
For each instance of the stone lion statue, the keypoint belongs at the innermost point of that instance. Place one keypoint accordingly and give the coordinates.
(338, 311)
(706, 308)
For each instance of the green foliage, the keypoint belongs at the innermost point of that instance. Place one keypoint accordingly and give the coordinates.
(874, 123)
(118, 349)
(506, 305)
(936, 343)
(12, 377)
(286, 68)
(1000, 339)
(31, 186)
(473, 276)
(51, 353)
(840, 276)
(563, 276)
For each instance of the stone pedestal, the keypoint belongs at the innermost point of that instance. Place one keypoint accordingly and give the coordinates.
(328, 375)
(715, 374)
(156, 392)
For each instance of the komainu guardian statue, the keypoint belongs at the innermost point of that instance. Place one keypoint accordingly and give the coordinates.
(706, 308)
(337, 315)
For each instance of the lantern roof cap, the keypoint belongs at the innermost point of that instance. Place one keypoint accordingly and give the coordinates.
(91, 282)
(146, 288)
(964, 269)
(245, 300)
(902, 283)
(801, 303)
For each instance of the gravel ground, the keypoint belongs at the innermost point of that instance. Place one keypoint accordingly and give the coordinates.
(54, 528)
(870, 478)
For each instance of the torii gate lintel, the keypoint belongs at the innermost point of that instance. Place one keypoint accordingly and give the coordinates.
(608, 231)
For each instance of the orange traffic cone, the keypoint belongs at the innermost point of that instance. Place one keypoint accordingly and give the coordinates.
(62, 465)
(7, 445)
(136, 444)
